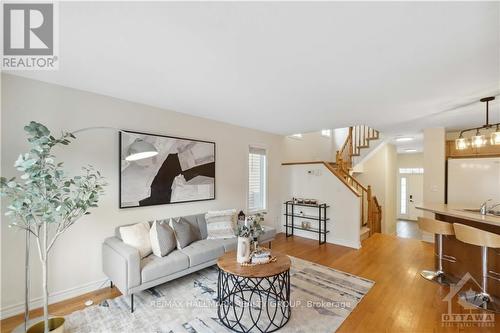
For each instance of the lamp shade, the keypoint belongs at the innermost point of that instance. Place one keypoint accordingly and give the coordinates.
(495, 137)
(478, 141)
(140, 149)
(461, 143)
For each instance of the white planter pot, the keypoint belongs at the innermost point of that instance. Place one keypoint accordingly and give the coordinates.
(243, 250)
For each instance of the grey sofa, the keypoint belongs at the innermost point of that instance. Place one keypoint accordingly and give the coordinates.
(124, 267)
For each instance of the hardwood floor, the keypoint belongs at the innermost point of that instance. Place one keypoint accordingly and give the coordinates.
(400, 301)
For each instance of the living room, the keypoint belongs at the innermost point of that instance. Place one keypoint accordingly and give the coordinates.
(250, 166)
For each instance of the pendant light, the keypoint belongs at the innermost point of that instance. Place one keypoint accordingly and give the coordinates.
(479, 140)
(495, 136)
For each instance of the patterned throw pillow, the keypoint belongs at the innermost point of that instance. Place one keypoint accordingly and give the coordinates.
(137, 235)
(221, 224)
(185, 233)
(162, 239)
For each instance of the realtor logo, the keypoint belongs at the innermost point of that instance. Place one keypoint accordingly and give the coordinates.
(29, 36)
(469, 316)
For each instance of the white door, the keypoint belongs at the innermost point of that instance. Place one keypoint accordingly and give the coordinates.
(415, 195)
(410, 194)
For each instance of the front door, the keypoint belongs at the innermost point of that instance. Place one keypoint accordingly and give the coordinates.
(415, 195)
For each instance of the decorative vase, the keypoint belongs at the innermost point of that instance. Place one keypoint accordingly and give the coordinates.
(56, 325)
(243, 251)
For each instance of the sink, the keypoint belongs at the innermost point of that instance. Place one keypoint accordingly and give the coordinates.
(471, 210)
(475, 210)
(494, 212)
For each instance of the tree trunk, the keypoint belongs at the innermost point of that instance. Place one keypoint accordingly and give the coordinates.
(45, 297)
(45, 278)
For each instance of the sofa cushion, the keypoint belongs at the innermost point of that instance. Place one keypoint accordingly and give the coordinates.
(268, 235)
(137, 235)
(162, 239)
(228, 244)
(202, 251)
(154, 267)
(220, 224)
(185, 232)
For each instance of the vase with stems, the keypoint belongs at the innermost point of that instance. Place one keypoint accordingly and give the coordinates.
(248, 233)
(45, 202)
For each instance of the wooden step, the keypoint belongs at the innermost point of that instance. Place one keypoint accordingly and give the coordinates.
(364, 233)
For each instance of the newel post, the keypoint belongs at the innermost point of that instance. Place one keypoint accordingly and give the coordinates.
(370, 208)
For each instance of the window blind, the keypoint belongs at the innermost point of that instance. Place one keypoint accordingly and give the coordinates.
(256, 179)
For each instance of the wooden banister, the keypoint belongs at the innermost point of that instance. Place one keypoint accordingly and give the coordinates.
(358, 137)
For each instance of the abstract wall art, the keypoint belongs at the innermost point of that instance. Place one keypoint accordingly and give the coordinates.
(182, 171)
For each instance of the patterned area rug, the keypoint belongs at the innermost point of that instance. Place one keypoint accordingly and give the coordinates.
(321, 300)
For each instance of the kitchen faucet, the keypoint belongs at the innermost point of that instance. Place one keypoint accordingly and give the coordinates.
(483, 210)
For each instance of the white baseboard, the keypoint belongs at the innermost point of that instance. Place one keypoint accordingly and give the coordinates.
(344, 242)
(15, 309)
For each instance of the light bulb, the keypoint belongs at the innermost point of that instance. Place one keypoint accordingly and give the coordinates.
(478, 140)
(495, 137)
(461, 143)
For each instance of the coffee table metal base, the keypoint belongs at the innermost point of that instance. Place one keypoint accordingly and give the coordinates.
(253, 304)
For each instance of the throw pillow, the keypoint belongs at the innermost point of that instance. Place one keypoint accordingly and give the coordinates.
(162, 239)
(137, 235)
(221, 224)
(184, 232)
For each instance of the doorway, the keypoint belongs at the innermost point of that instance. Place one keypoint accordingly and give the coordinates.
(410, 193)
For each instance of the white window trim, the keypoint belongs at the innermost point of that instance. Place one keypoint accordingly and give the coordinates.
(266, 201)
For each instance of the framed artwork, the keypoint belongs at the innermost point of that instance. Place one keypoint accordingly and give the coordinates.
(182, 171)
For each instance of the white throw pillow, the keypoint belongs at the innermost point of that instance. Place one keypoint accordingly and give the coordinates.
(162, 239)
(221, 224)
(137, 235)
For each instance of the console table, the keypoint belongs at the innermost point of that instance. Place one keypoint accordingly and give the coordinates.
(291, 215)
(253, 298)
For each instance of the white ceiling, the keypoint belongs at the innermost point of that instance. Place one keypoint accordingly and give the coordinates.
(289, 67)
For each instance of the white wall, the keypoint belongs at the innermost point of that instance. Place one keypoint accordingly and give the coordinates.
(311, 147)
(434, 165)
(411, 160)
(75, 263)
(379, 171)
(321, 184)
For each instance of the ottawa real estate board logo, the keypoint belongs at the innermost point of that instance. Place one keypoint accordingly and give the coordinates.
(30, 36)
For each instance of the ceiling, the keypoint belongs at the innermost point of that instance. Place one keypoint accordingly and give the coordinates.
(289, 67)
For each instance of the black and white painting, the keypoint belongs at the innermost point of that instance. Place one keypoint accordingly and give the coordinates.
(182, 171)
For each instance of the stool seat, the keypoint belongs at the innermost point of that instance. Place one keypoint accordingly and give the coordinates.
(475, 236)
(435, 226)
(484, 239)
(439, 228)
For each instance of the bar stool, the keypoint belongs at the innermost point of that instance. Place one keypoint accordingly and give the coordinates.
(485, 239)
(439, 228)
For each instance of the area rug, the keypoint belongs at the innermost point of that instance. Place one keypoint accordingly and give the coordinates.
(321, 298)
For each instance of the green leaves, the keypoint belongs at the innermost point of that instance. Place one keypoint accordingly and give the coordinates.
(45, 194)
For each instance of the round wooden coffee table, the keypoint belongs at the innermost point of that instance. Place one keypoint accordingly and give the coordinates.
(253, 298)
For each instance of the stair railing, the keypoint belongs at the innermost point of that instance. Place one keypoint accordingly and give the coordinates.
(358, 137)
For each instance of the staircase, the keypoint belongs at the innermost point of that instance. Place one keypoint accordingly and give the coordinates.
(359, 138)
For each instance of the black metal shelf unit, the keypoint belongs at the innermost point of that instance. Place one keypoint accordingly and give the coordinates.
(291, 215)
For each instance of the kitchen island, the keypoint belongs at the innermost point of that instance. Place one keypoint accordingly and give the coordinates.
(468, 257)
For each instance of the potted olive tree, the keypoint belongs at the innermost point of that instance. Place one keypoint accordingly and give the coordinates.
(45, 202)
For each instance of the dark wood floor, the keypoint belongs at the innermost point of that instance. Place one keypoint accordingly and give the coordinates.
(400, 301)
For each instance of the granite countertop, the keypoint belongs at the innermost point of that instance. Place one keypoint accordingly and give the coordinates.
(458, 212)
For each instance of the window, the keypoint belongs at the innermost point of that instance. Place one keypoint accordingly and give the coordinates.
(327, 133)
(414, 171)
(257, 179)
(403, 210)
